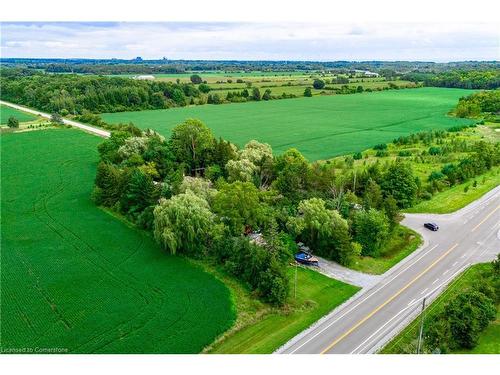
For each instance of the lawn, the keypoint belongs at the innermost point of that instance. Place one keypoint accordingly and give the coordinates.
(489, 341)
(402, 243)
(320, 127)
(6, 112)
(76, 278)
(456, 197)
(317, 295)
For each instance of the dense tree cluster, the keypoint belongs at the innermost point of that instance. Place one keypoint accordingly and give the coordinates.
(75, 94)
(465, 79)
(459, 324)
(202, 196)
(486, 103)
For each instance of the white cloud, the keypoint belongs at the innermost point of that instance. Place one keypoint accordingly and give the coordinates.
(253, 41)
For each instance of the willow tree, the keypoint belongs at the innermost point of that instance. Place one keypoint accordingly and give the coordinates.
(183, 223)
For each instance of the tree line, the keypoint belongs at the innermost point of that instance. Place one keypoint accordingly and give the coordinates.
(484, 103)
(465, 79)
(75, 94)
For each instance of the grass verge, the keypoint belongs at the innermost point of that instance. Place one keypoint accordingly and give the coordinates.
(489, 342)
(261, 329)
(403, 242)
(456, 197)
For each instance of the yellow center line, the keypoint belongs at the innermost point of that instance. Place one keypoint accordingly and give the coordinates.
(486, 218)
(347, 333)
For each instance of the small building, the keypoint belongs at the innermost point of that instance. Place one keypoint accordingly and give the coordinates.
(144, 77)
(257, 238)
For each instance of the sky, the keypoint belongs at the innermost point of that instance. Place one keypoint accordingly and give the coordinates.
(319, 41)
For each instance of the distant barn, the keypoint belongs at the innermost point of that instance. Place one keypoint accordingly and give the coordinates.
(144, 77)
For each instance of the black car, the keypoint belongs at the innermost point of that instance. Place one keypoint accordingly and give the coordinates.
(432, 226)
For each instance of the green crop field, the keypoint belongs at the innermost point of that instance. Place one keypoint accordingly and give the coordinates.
(78, 279)
(6, 112)
(320, 127)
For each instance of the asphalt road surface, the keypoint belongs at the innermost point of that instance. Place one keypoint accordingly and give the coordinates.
(368, 321)
(79, 125)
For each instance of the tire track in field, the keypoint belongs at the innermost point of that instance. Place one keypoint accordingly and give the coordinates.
(44, 209)
(155, 291)
(375, 128)
(42, 291)
(130, 332)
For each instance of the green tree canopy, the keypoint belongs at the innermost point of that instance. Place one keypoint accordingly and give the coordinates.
(400, 182)
(292, 173)
(192, 141)
(371, 230)
(324, 230)
(318, 84)
(238, 205)
(183, 223)
(196, 79)
(12, 122)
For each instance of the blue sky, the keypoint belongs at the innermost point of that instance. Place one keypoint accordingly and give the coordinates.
(252, 41)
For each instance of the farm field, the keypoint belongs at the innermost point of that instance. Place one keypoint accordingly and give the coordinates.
(78, 279)
(321, 127)
(6, 112)
(298, 87)
(290, 83)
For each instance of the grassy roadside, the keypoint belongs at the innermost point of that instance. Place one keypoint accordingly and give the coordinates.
(261, 329)
(455, 198)
(489, 342)
(403, 242)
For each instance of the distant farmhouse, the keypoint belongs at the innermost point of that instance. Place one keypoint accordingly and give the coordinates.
(144, 77)
(367, 73)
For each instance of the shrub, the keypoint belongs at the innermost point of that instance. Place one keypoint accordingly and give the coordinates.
(380, 146)
(357, 156)
(404, 153)
(12, 122)
(196, 79)
(318, 84)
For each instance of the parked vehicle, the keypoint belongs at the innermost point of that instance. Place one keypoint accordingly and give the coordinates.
(306, 258)
(432, 226)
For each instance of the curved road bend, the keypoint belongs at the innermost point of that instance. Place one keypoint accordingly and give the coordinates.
(79, 125)
(367, 322)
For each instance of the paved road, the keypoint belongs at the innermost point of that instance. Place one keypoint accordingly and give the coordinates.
(338, 272)
(90, 129)
(367, 322)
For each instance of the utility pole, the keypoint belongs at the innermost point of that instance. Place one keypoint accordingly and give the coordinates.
(354, 187)
(420, 335)
(295, 287)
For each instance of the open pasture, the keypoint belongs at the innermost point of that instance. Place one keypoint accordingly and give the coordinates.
(6, 112)
(76, 278)
(320, 127)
